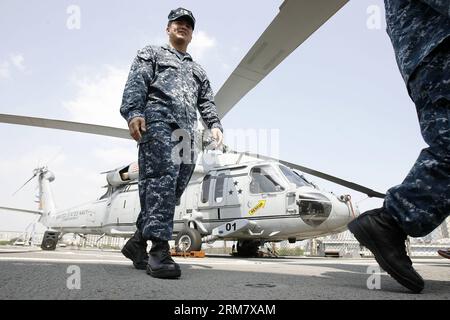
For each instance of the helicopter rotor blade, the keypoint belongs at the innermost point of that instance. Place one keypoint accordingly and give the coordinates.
(296, 21)
(66, 125)
(351, 185)
(123, 133)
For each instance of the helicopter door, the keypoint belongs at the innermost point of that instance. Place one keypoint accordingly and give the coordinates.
(266, 194)
(218, 192)
(205, 197)
(234, 192)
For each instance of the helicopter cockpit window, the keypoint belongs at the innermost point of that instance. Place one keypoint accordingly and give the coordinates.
(218, 193)
(205, 188)
(264, 179)
(293, 177)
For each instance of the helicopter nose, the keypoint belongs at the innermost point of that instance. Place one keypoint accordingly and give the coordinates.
(314, 208)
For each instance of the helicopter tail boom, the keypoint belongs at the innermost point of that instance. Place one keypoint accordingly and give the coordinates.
(45, 196)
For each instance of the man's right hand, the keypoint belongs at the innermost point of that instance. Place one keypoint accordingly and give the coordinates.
(137, 125)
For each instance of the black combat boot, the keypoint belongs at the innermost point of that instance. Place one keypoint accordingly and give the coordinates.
(379, 232)
(136, 250)
(160, 263)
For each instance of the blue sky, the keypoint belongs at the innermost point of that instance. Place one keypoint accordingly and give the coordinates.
(338, 100)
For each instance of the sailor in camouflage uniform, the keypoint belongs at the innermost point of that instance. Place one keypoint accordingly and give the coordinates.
(165, 88)
(420, 34)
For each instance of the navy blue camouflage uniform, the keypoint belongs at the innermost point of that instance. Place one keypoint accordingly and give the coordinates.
(166, 87)
(420, 34)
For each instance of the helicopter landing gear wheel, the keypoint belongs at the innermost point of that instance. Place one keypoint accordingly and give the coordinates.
(247, 248)
(50, 240)
(188, 240)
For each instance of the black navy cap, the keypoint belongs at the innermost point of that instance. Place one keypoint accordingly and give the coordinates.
(176, 14)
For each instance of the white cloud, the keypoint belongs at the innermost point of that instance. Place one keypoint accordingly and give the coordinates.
(17, 60)
(201, 43)
(98, 97)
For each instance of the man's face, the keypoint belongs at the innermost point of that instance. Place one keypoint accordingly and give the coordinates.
(180, 31)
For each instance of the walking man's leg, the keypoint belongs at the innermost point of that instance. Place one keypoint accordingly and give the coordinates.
(422, 201)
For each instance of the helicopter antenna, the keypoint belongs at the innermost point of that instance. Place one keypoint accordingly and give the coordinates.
(34, 175)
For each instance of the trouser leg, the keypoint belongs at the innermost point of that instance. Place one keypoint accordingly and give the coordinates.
(163, 177)
(159, 201)
(158, 175)
(422, 201)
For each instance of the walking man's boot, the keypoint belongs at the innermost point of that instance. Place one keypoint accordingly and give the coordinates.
(160, 263)
(136, 250)
(379, 232)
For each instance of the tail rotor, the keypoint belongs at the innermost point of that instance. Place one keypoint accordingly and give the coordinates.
(36, 172)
